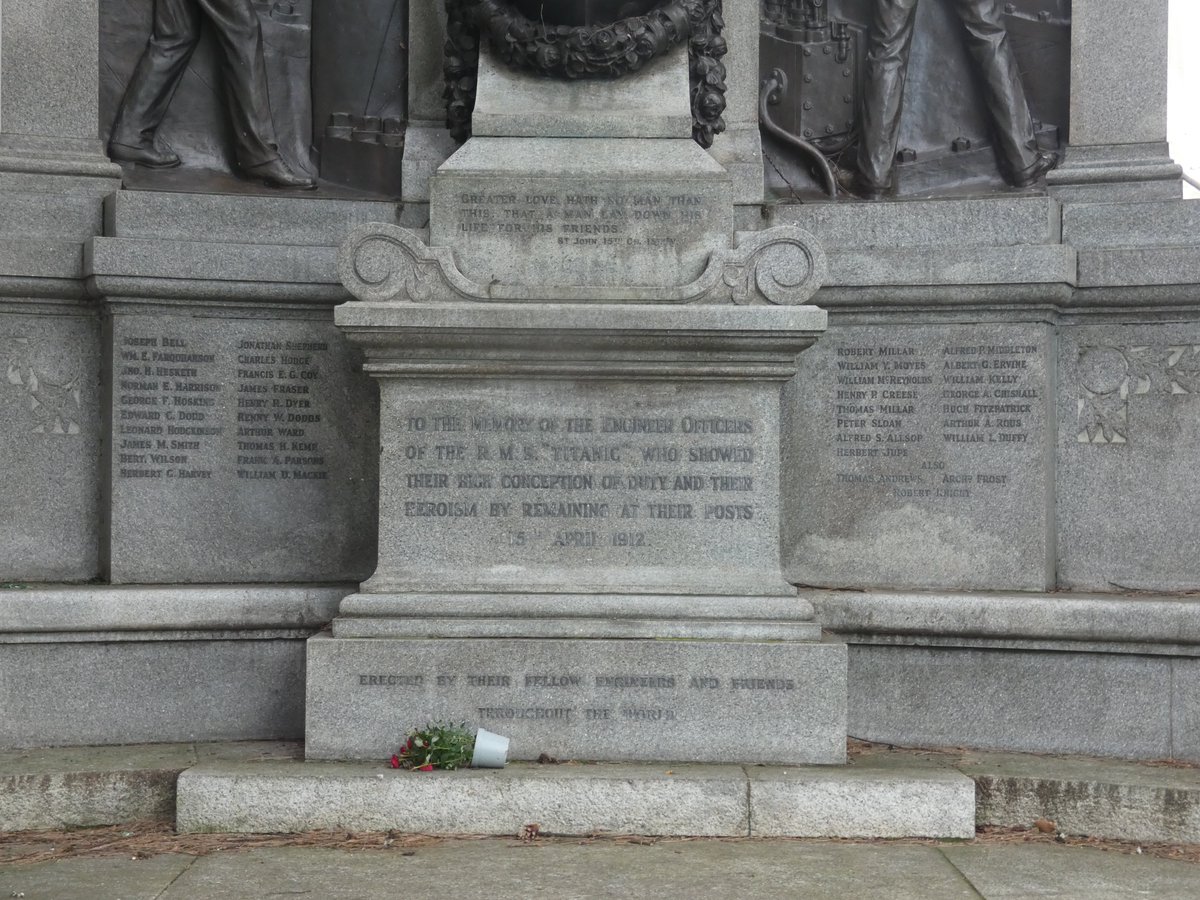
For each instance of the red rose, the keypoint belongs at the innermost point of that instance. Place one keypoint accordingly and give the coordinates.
(428, 767)
(395, 761)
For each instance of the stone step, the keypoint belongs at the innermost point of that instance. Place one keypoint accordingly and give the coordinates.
(80, 787)
(265, 786)
(580, 799)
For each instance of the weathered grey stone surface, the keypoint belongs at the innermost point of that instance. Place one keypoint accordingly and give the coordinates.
(58, 40)
(241, 219)
(927, 460)
(739, 149)
(1080, 620)
(287, 270)
(1084, 796)
(51, 410)
(701, 701)
(550, 487)
(570, 212)
(1129, 425)
(1118, 75)
(1138, 266)
(82, 787)
(208, 689)
(1111, 173)
(575, 800)
(861, 800)
(243, 449)
(1012, 221)
(1051, 264)
(575, 615)
(1170, 223)
(38, 611)
(512, 103)
(30, 216)
(1103, 704)
(86, 786)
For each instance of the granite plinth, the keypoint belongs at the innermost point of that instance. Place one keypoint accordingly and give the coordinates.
(577, 212)
(686, 700)
(927, 458)
(579, 449)
(577, 485)
(242, 449)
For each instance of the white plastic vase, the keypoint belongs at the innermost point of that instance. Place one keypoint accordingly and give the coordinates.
(491, 750)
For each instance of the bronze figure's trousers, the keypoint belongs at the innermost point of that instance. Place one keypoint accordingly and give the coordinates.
(887, 65)
(243, 73)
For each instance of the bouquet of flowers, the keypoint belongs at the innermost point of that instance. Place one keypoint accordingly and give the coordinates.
(450, 747)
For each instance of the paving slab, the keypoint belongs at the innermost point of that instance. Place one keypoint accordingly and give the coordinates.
(1042, 870)
(110, 878)
(502, 869)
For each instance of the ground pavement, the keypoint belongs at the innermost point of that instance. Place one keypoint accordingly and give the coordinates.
(91, 866)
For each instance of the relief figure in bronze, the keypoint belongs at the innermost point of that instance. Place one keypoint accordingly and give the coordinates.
(890, 42)
(175, 34)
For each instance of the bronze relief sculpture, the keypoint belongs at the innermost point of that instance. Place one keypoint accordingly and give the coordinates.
(175, 33)
(579, 39)
(1021, 162)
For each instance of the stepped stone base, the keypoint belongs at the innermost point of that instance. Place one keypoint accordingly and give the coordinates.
(589, 799)
(697, 701)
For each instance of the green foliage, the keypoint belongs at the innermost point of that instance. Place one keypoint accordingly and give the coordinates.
(439, 746)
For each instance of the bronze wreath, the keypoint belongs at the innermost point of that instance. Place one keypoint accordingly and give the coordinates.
(598, 51)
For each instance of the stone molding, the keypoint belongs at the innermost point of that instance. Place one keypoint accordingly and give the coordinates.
(1138, 623)
(782, 266)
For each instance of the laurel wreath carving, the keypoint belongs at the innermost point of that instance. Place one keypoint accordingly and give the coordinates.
(596, 51)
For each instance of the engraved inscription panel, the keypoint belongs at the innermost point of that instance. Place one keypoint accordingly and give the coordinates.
(695, 700)
(579, 231)
(929, 452)
(248, 440)
(596, 487)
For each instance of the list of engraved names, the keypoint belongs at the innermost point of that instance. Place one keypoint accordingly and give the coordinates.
(908, 419)
(202, 409)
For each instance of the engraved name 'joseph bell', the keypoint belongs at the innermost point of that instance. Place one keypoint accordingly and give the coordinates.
(583, 12)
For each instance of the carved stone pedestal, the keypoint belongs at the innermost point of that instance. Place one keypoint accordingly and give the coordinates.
(579, 539)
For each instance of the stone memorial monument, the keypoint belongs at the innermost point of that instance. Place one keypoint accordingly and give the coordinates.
(580, 381)
(582, 407)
